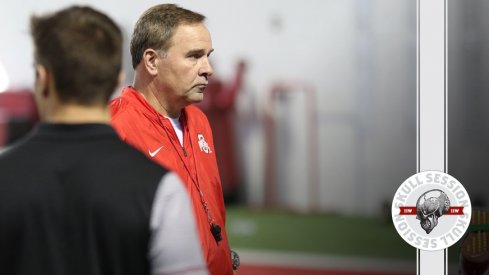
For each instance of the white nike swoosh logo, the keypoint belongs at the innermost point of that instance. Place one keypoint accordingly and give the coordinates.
(152, 154)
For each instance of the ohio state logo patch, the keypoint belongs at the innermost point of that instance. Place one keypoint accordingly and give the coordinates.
(204, 147)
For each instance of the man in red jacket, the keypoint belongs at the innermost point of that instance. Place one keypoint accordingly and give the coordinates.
(170, 50)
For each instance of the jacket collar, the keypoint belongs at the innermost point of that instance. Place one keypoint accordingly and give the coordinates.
(76, 131)
(130, 94)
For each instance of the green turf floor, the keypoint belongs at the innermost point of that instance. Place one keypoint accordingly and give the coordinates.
(318, 233)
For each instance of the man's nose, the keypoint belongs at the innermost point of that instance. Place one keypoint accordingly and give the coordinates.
(206, 68)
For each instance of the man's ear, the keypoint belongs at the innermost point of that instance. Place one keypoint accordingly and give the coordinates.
(43, 80)
(150, 61)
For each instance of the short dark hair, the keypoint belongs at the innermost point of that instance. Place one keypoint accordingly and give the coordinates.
(156, 26)
(82, 47)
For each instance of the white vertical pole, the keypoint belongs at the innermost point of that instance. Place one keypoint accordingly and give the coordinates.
(431, 104)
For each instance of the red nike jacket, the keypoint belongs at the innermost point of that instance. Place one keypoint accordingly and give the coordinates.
(140, 125)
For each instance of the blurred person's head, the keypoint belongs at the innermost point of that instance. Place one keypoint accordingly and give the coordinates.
(78, 58)
(170, 47)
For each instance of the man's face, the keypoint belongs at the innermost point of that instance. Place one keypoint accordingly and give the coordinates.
(183, 72)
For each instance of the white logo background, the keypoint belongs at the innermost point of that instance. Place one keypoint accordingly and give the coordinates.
(450, 228)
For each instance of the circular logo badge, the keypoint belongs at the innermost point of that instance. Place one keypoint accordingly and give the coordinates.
(431, 210)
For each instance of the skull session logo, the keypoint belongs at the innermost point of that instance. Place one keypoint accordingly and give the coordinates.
(431, 210)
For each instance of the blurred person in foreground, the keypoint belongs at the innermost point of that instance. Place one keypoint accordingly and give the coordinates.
(170, 49)
(74, 198)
